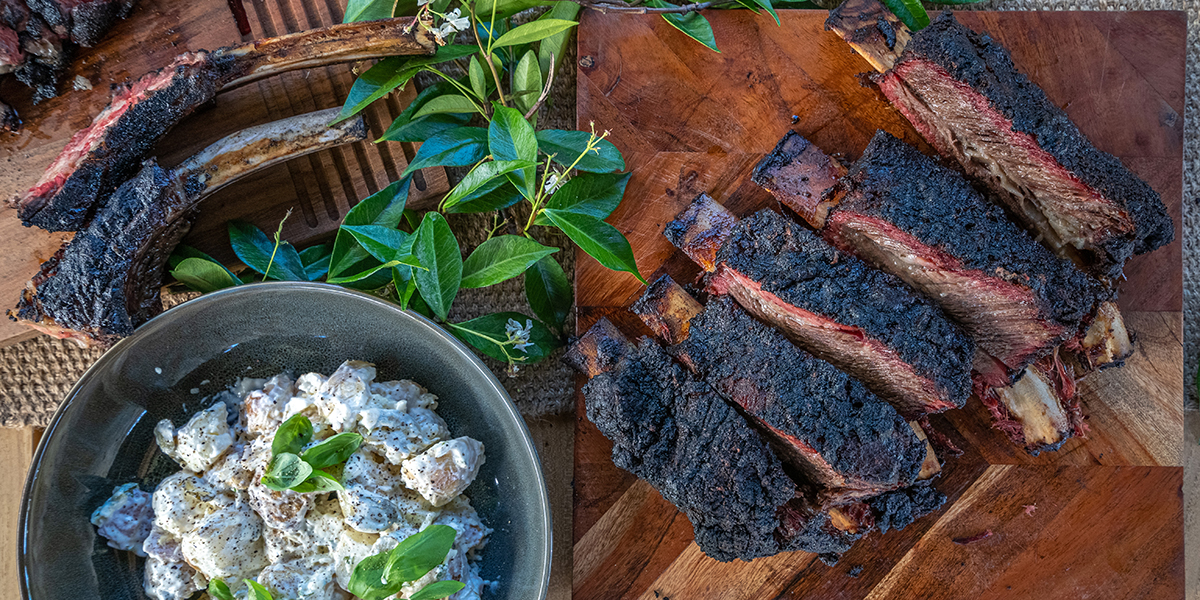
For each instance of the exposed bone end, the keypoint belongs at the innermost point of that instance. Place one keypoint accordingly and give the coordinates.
(1040, 410)
(700, 230)
(872, 30)
(599, 350)
(852, 518)
(1105, 343)
(667, 309)
(931, 466)
(801, 177)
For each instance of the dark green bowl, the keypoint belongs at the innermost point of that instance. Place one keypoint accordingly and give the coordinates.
(102, 435)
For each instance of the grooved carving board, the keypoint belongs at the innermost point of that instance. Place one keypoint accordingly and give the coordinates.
(1101, 518)
(318, 188)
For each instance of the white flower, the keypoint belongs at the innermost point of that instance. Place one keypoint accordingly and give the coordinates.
(519, 335)
(459, 23)
(422, 2)
(551, 183)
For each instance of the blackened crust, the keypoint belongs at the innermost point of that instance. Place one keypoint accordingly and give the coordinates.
(898, 509)
(986, 66)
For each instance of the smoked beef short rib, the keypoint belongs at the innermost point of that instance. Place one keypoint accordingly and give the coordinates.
(962, 92)
(863, 321)
(823, 422)
(82, 21)
(100, 157)
(672, 430)
(105, 282)
(39, 58)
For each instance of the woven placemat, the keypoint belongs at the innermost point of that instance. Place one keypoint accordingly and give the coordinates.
(36, 374)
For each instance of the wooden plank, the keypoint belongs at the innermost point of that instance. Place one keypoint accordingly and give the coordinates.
(16, 450)
(319, 188)
(690, 120)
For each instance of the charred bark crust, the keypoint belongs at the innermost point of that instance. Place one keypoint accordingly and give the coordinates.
(802, 269)
(898, 184)
(84, 23)
(898, 509)
(857, 433)
(986, 66)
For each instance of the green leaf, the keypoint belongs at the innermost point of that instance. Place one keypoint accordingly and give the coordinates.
(771, 9)
(218, 590)
(565, 146)
(693, 24)
(368, 10)
(595, 194)
(382, 243)
(367, 580)
(455, 148)
(383, 208)
(316, 260)
(481, 175)
(447, 104)
(406, 286)
(548, 291)
(183, 252)
(504, 9)
(203, 276)
(332, 451)
(259, 592)
(478, 80)
(911, 12)
(366, 275)
(392, 73)
(419, 553)
(405, 128)
(501, 258)
(527, 77)
(254, 248)
(556, 45)
(285, 471)
(437, 250)
(598, 239)
(484, 332)
(320, 482)
(438, 589)
(511, 137)
(494, 195)
(533, 31)
(294, 434)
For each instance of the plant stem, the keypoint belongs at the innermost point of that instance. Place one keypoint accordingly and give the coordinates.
(545, 91)
(487, 52)
(607, 7)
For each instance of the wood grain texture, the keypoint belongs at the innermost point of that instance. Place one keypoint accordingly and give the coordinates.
(16, 451)
(692, 121)
(319, 188)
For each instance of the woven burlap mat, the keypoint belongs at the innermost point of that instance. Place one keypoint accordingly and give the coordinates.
(35, 374)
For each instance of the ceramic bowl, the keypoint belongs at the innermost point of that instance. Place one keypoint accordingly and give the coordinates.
(102, 435)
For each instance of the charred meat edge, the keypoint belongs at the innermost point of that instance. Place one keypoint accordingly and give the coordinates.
(109, 151)
(9, 121)
(1084, 204)
(864, 447)
(656, 414)
(704, 227)
(105, 282)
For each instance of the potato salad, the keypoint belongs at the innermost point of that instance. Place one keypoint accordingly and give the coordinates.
(298, 527)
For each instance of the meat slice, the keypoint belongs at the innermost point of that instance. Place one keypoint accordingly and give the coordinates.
(82, 21)
(42, 55)
(11, 55)
(98, 158)
(670, 429)
(823, 422)
(799, 174)
(865, 322)
(105, 282)
(961, 91)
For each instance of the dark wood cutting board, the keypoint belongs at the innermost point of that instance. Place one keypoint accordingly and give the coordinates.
(1102, 517)
(319, 188)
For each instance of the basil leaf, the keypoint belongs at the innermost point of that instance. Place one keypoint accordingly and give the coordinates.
(294, 434)
(218, 590)
(437, 250)
(556, 45)
(384, 208)
(481, 175)
(285, 472)
(511, 137)
(366, 582)
(477, 331)
(911, 12)
(565, 146)
(533, 31)
(368, 10)
(501, 258)
(548, 291)
(259, 592)
(595, 194)
(382, 243)
(527, 82)
(203, 276)
(333, 450)
(455, 148)
(419, 553)
(598, 239)
(254, 248)
(448, 104)
(319, 481)
(493, 195)
(438, 589)
(316, 260)
(693, 24)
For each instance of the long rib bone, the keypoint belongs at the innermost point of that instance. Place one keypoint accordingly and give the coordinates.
(104, 283)
(110, 150)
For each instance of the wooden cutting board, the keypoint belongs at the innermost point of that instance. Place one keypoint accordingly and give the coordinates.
(1101, 518)
(319, 188)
